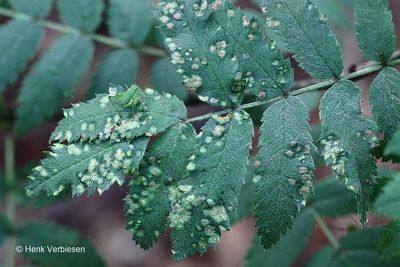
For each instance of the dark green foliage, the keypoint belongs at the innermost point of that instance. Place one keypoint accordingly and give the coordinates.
(120, 66)
(18, 43)
(4, 228)
(389, 242)
(348, 138)
(52, 79)
(388, 201)
(36, 234)
(374, 29)
(392, 148)
(306, 33)
(285, 168)
(35, 8)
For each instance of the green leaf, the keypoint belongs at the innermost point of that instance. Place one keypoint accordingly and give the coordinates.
(263, 68)
(18, 42)
(358, 249)
(52, 79)
(165, 79)
(86, 166)
(147, 205)
(348, 138)
(285, 168)
(307, 34)
(389, 242)
(120, 66)
(52, 237)
(82, 14)
(287, 249)
(331, 198)
(388, 201)
(35, 8)
(374, 29)
(104, 118)
(129, 20)
(384, 95)
(4, 228)
(393, 146)
(204, 57)
(336, 12)
(201, 202)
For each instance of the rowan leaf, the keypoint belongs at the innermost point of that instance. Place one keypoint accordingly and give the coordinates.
(392, 148)
(52, 79)
(388, 201)
(104, 118)
(19, 41)
(306, 33)
(147, 205)
(286, 250)
(384, 95)
(129, 20)
(285, 168)
(202, 201)
(336, 12)
(86, 167)
(348, 138)
(120, 66)
(82, 14)
(374, 29)
(389, 242)
(35, 8)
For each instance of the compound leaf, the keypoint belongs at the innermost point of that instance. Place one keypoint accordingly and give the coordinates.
(35, 8)
(201, 202)
(82, 14)
(120, 66)
(86, 166)
(388, 201)
(129, 20)
(374, 29)
(147, 205)
(18, 42)
(385, 99)
(52, 79)
(55, 238)
(348, 138)
(102, 118)
(389, 242)
(204, 55)
(285, 168)
(307, 34)
(286, 250)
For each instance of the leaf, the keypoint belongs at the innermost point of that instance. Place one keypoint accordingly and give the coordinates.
(384, 95)
(392, 148)
(388, 201)
(35, 8)
(52, 79)
(287, 249)
(55, 238)
(331, 198)
(102, 118)
(129, 20)
(374, 29)
(358, 248)
(165, 79)
(201, 202)
(204, 55)
(120, 66)
(86, 166)
(147, 205)
(263, 68)
(389, 242)
(18, 42)
(336, 12)
(285, 168)
(5, 228)
(82, 14)
(307, 34)
(348, 138)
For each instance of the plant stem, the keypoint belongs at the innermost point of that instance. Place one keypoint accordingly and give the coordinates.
(318, 86)
(113, 42)
(325, 229)
(10, 199)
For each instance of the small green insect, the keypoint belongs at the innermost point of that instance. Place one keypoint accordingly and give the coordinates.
(126, 98)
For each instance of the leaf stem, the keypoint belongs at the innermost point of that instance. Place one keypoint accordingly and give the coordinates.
(370, 69)
(10, 199)
(325, 229)
(113, 42)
